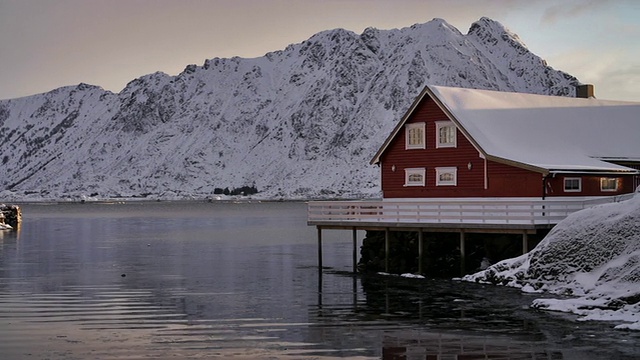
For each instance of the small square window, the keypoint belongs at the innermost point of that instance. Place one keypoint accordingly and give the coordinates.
(608, 184)
(445, 134)
(414, 177)
(415, 136)
(446, 176)
(572, 184)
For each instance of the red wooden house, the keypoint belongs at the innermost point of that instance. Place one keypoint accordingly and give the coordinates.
(467, 143)
(470, 161)
(480, 157)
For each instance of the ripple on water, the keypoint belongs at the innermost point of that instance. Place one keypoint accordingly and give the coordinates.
(113, 322)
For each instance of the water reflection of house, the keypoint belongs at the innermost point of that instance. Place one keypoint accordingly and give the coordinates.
(444, 346)
(465, 160)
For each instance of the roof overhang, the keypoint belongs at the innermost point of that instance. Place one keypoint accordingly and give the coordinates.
(595, 172)
(621, 160)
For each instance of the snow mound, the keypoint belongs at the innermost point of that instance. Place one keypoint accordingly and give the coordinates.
(592, 255)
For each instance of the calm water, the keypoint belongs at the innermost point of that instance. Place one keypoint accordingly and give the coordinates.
(223, 280)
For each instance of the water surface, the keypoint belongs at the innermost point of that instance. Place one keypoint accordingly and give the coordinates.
(240, 280)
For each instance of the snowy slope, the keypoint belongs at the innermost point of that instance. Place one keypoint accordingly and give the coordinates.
(300, 122)
(593, 254)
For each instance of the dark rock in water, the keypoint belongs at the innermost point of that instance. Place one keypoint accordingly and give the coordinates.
(12, 215)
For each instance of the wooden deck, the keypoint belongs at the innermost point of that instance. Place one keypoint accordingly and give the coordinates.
(497, 213)
(474, 215)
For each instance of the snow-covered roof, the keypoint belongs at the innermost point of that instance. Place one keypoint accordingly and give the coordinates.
(541, 132)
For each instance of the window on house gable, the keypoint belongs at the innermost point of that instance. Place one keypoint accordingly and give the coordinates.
(414, 177)
(572, 184)
(608, 184)
(446, 134)
(446, 176)
(415, 136)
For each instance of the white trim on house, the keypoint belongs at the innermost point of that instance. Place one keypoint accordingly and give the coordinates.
(415, 177)
(606, 182)
(572, 181)
(446, 176)
(450, 138)
(415, 136)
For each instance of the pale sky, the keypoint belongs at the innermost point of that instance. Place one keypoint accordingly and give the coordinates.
(46, 44)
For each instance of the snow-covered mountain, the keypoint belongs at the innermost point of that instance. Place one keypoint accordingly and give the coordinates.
(300, 122)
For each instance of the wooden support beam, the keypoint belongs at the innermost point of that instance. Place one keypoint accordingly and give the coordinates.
(433, 228)
(319, 248)
(525, 242)
(354, 236)
(462, 254)
(420, 251)
(387, 234)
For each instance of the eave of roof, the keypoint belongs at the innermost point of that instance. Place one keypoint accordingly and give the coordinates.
(398, 127)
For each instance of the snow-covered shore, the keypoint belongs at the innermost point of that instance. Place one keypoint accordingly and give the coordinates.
(591, 260)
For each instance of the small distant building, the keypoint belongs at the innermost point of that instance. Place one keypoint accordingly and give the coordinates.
(463, 143)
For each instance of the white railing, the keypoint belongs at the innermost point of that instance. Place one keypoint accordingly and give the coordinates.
(527, 211)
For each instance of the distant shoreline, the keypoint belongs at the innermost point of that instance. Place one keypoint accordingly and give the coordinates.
(115, 201)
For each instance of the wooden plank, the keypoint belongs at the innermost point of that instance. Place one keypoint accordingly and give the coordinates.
(420, 251)
(319, 248)
(354, 236)
(462, 253)
(386, 249)
(471, 228)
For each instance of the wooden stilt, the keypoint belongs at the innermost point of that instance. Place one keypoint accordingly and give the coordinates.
(354, 236)
(525, 242)
(320, 288)
(355, 292)
(319, 248)
(420, 251)
(386, 250)
(462, 254)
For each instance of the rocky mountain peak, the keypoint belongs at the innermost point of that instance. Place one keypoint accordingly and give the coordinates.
(298, 122)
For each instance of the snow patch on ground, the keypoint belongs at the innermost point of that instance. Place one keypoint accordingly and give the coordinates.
(591, 260)
(406, 275)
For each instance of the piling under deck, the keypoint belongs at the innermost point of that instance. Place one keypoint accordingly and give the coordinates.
(523, 216)
(462, 229)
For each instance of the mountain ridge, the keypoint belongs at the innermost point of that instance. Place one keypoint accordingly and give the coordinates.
(295, 123)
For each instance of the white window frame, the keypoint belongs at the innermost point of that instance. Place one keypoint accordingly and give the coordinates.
(446, 124)
(413, 126)
(579, 189)
(408, 173)
(603, 180)
(447, 170)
